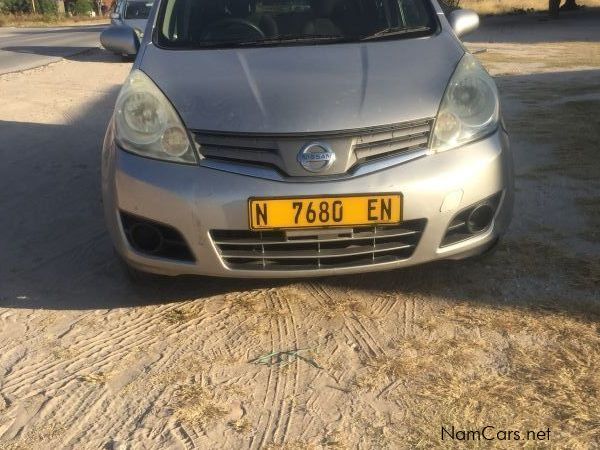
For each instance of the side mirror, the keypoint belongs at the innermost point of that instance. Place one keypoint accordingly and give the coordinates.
(463, 21)
(120, 39)
(115, 16)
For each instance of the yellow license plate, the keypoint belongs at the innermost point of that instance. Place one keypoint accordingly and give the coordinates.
(323, 212)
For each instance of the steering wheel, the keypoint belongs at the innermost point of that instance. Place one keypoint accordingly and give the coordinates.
(216, 29)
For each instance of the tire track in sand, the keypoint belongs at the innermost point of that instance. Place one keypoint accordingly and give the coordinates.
(155, 394)
(354, 328)
(101, 349)
(105, 346)
(288, 402)
(277, 406)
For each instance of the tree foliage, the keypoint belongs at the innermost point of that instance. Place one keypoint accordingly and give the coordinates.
(46, 6)
(82, 7)
(15, 6)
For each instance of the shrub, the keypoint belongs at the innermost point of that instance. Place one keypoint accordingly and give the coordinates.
(15, 6)
(46, 6)
(82, 7)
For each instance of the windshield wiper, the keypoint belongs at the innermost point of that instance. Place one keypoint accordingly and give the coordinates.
(294, 38)
(394, 31)
(273, 40)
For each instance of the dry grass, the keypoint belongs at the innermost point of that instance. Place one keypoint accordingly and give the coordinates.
(242, 425)
(243, 304)
(332, 305)
(515, 363)
(196, 406)
(95, 378)
(493, 7)
(182, 314)
(293, 445)
(64, 353)
(48, 20)
(334, 440)
(503, 367)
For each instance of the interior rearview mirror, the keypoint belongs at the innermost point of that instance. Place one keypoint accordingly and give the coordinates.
(463, 21)
(120, 39)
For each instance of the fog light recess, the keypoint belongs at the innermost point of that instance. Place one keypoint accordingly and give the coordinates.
(472, 221)
(155, 239)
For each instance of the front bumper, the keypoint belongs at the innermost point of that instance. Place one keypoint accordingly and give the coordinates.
(195, 200)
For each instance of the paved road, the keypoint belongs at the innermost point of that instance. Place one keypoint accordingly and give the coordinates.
(26, 48)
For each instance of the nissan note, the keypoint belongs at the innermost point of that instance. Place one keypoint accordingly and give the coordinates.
(291, 138)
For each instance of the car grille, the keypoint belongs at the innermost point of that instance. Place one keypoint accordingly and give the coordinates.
(253, 150)
(353, 149)
(352, 247)
(391, 142)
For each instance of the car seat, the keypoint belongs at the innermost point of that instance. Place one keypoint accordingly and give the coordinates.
(243, 10)
(322, 24)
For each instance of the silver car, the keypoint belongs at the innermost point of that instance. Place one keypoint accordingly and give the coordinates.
(132, 13)
(129, 19)
(292, 138)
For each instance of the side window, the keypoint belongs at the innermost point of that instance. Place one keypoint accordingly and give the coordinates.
(412, 12)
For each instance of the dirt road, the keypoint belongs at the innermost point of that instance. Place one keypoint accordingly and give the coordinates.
(378, 361)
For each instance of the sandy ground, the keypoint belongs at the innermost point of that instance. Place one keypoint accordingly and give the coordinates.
(88, 360)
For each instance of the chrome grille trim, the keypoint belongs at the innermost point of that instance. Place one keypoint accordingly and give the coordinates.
(257, 150)
(390, 146)
(315, 254)
(263, 156)
(388, 161)
(381, 233)
(276, 250)
(387, 143)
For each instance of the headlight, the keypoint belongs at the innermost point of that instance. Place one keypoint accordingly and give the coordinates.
(147, 124)
(469, 109)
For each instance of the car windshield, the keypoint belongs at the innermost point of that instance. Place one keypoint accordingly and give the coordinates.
(137, 10)
(236, 23)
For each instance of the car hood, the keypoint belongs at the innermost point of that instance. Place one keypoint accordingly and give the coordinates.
(298, 89)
